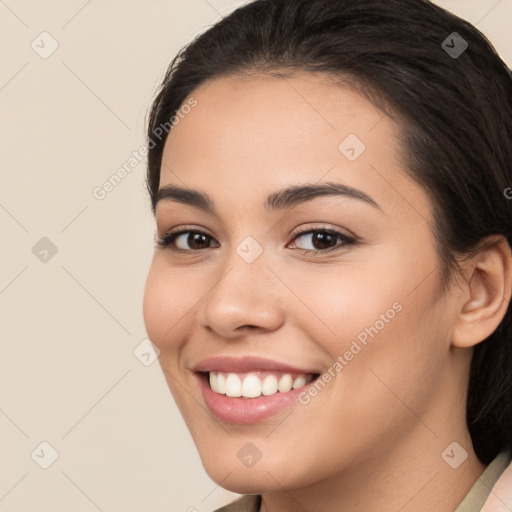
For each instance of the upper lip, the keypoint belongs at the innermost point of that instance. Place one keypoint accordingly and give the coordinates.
(246, 364)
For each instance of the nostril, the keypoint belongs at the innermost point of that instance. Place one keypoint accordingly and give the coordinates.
(247, 327)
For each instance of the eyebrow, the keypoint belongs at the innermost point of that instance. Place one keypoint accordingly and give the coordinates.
(279, 200)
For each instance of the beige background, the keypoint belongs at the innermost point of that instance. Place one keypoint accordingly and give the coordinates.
(70, 324)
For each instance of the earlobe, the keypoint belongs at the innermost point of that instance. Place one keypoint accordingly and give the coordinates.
(488, 292)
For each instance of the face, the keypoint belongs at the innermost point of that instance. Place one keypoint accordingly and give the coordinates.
(333, 291)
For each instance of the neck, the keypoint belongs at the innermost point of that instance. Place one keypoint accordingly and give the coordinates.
(410, 477)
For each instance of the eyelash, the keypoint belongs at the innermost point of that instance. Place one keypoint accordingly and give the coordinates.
(167, 239)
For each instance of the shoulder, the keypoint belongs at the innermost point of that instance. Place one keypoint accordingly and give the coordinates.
(249, 503)
(500, 497)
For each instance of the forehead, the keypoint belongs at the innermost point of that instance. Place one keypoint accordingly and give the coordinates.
(303, 110)
(251, 135)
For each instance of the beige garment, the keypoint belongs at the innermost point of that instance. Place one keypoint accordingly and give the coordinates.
(479, 493)
(473, 501)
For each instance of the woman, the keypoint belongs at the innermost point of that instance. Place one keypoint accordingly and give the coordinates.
(330, 291)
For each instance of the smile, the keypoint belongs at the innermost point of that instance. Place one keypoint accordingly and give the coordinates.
(255, 384)
(251, 390)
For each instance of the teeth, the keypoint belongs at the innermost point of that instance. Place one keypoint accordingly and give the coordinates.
(233, 385)
(269, 385)
(285, 383)
(299, 382)
(251, 386)
(213, 381)
(221, 383)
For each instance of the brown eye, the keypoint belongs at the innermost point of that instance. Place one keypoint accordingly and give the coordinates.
(186, 241)
(322, 240)
(195, 240)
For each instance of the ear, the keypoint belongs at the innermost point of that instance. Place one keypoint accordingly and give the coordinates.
(487, 288)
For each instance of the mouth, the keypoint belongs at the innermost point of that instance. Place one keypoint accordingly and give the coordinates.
(251, 390)
(253, 397)
(254, 384)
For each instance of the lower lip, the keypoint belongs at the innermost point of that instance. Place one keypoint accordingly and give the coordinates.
(245, 411)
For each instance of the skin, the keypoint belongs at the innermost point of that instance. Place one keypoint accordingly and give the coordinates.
(373, 437)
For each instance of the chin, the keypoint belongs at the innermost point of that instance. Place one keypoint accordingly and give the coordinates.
(264, 476)
(246, 481)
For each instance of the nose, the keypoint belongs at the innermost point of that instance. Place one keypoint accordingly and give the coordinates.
(244, 297)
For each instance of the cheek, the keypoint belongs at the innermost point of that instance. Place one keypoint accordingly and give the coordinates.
(385, 320)
(165, 307)
(338, 302)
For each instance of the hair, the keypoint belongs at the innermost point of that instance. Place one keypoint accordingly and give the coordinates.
(454, 111)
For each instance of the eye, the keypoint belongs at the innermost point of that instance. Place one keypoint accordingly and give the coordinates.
(322, 240)
(318, 240)
(185, 240)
